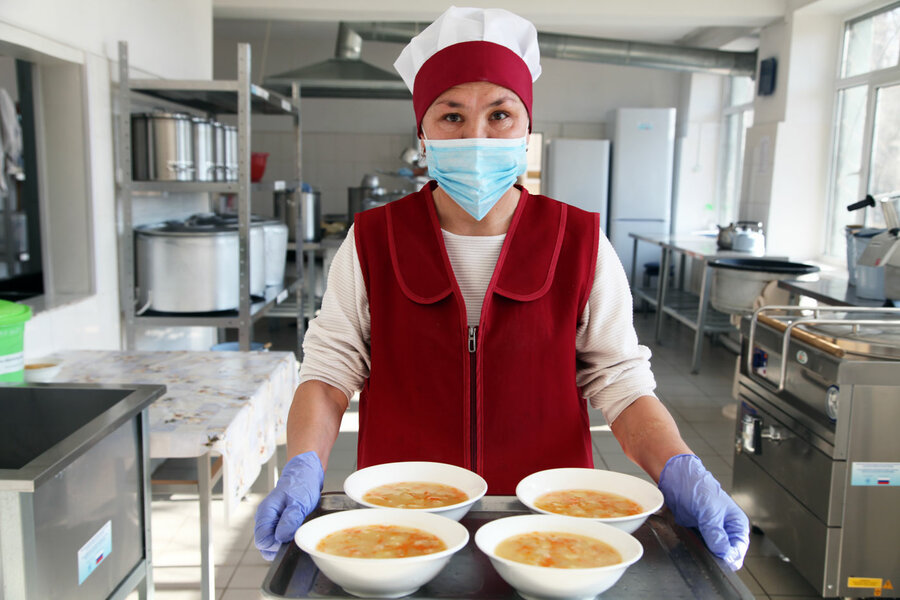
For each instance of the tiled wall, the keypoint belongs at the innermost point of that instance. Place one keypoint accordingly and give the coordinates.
(332, 162)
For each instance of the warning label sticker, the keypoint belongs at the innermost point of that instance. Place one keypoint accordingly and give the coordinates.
(864, 582)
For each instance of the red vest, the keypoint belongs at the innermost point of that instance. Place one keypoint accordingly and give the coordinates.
(504, 403)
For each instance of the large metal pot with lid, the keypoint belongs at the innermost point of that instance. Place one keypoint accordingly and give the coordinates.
(274, 253)
(193, 265)
(738, 282)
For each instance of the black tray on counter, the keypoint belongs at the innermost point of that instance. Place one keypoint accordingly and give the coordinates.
(675, 565)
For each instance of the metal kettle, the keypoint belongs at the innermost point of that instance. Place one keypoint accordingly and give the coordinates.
(745, 236)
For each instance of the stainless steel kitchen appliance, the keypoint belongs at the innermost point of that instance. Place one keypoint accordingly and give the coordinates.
(74, 491)
(193, 266)
(817, 454)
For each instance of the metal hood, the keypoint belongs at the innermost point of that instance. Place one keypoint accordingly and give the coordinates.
(344, 76)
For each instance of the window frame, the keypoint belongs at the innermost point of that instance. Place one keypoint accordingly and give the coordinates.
(873, 81)
(729, 110)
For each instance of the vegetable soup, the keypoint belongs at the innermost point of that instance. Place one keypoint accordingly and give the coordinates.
(588, 503)
(381, 541)
(558, 550)
(415, 494)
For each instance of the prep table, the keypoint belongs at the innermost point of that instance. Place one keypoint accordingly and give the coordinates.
(230, 404)
(683, 306)
(675, 565)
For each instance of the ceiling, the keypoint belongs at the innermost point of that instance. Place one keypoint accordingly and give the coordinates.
(660, 21)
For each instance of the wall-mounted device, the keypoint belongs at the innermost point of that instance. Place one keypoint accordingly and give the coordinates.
(767, 70)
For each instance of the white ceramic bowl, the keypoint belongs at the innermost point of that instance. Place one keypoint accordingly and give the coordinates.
(634, 488)
(360, 482)
(381, 577)
(41, 372)
(534, 582)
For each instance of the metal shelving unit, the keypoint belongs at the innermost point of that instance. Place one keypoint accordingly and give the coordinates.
(235, 97)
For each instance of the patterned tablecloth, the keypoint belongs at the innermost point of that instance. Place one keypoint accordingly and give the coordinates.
(232, 403)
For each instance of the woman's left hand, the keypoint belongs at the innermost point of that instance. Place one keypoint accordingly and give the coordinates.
(697, 500)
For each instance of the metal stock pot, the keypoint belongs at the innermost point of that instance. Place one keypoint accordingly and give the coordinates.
(162, 147)
(193, 265)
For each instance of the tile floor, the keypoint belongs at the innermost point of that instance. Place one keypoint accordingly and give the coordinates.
(699, 403)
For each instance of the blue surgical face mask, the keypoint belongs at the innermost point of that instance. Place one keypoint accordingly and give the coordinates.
(476, 172)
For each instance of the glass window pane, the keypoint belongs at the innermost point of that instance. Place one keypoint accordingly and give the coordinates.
(884, 171)
(741, 91)
(872, 43)
(736, 126)
(847, 165)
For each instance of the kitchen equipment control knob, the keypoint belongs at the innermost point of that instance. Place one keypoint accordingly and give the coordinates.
(832, 401)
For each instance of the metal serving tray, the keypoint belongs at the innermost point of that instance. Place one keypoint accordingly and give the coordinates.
(675, 565)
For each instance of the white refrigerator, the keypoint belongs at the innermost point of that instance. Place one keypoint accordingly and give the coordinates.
(577, 172)
(643, 151)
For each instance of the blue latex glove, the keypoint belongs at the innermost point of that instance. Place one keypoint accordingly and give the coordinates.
(296, 494)
(697, 500)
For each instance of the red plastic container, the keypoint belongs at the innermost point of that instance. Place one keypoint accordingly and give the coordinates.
(258, 165)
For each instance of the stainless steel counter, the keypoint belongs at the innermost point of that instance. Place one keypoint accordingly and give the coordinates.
(676, 565)
(74, 491)
(692, 310)
(833, 291)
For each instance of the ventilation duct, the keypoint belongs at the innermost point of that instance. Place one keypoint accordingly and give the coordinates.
(348, 76)
(598, 50)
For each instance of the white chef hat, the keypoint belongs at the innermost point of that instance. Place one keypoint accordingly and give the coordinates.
(470, 44)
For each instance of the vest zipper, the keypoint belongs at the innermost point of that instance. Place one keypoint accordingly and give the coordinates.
(473, 396)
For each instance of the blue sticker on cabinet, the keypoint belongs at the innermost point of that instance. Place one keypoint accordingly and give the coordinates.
(94, 552)
(875, 474)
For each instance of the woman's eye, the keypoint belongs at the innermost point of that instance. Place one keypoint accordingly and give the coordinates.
(453, 117)
(499, 115)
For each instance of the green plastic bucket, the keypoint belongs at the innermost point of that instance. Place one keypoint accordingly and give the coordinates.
(12, 340)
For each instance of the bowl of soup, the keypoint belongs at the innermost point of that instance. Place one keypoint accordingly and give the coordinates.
(549, 556)
(381, 553)
(439, 488)
(617, 499)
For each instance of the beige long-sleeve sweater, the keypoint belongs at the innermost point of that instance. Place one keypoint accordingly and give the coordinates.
(612, 371)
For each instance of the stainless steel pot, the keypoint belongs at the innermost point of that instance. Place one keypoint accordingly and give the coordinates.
(204, 149)
(219, 150)
(276, 240)
(738, 282)
(193, 265)
(162, 147)
(231, 153)
(311, 216)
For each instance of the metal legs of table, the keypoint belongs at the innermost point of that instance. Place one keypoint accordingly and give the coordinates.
(208, 473)
(701, 319)
(204, 483)
(661, 288)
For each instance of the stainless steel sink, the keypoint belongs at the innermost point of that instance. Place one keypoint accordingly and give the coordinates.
(74, 490)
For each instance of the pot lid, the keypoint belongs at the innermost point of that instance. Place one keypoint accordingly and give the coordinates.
(764, 265)
(187, 227)
(12, 313)
(164, 115)
(875, 341)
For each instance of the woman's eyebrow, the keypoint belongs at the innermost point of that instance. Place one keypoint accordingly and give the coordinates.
(501, 100)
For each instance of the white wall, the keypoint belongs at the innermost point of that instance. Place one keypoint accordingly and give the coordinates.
(786, 160)
(167, 38)
(345, 139)
(697, 202)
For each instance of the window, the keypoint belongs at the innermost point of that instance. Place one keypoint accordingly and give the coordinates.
(866, 154)
(738, 117)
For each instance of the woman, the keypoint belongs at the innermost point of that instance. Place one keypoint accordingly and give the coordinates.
(477, 318)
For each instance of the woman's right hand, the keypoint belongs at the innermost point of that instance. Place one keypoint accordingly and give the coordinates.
(296, 494)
